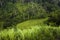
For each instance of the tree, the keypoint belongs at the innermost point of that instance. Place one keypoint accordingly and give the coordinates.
(55, 18)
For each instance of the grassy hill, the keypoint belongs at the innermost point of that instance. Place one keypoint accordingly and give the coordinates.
(31, 23)
(32, 30)
(13, 14)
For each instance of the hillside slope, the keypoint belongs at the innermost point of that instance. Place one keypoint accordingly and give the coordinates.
(31, 23)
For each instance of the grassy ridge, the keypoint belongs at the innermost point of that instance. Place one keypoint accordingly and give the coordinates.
(30, 23)
(35, 33)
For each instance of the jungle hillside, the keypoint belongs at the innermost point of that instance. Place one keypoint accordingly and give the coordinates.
(29, 19)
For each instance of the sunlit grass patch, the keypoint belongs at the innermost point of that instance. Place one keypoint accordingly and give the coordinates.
(34, 33)
(31, 23)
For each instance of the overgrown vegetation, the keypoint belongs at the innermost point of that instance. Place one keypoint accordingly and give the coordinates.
(35, 33)
(29, 19)
(13, 12)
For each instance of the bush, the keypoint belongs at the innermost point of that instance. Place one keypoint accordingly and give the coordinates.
(54, 18)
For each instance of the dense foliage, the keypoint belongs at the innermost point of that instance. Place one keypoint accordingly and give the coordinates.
(43, 16)
(16, 11)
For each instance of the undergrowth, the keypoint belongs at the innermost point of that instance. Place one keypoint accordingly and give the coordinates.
(34, 33)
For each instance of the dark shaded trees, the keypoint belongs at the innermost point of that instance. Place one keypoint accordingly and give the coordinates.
(16, 11)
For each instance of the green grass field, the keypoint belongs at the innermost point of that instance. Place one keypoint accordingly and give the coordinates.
(32, 30)
(29, 19)
(35, 33)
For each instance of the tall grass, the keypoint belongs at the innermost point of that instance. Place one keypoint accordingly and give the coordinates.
(35, 33)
